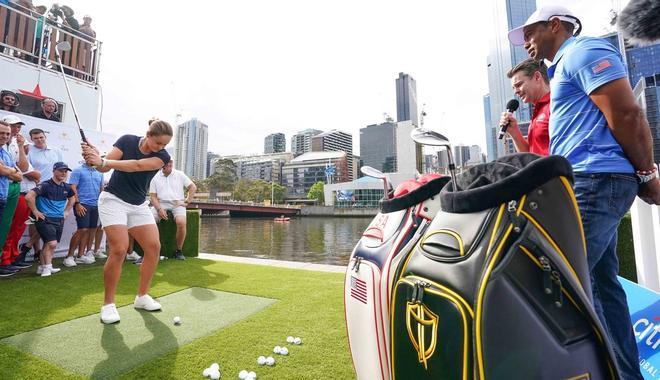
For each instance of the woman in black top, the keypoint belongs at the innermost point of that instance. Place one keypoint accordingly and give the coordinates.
(123, 209)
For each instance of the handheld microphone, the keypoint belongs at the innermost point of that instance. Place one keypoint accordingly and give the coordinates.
(511, 106)
(639, 21)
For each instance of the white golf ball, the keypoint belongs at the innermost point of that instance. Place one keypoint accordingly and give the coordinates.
(297, 341)
(207, 372)
(270, 361)
(243, 374)
(277, 349)
(177, 320)
(252, 374)
(261, 360)
(289, 339)
(284, 351)
(215, 367)
(215, 375)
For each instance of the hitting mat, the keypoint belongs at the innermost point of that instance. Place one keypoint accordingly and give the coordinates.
(87, 347)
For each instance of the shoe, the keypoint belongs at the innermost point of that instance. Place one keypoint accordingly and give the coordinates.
(179, 255)
(40, 269)
(132, 256)
(53, 270)
(109, 314)
(46, 271)
(138, 261)
(21, 264)
(11, 267)
(100, 255)
(6, 272)
(146, 302)
(85, 260)
(90, 256)
(70, 262)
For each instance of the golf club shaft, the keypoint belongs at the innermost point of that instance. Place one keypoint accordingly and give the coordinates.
(68, 92)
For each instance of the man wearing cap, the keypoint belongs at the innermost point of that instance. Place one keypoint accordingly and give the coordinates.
(10, 253)
(49, 201)
(10, 175)
(599, 127)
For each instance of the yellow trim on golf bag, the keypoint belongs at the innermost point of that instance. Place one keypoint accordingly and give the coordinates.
(454, 234)
(571, 194)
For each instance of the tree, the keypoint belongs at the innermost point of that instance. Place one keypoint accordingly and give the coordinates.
(223, 178)
(316, 192)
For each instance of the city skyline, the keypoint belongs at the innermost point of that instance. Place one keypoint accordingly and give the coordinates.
(287, 66)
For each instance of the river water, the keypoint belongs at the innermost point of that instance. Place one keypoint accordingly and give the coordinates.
(326, 240)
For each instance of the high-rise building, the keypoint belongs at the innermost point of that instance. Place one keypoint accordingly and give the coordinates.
(301, 142)
(210, 160)
(507, 14)
(377, 146)
(647, 92)
(192, 141)
(267, 167)
(302, 172)
(643, 61)
(335, 141)
(275, 143)
(461, 155)
(406, 99)
(491, 137)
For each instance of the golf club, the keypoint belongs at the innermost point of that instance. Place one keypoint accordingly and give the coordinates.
(375, 173)
(60, 47)
(429, 137)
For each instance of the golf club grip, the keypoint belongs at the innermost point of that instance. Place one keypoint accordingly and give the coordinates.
(82, 135)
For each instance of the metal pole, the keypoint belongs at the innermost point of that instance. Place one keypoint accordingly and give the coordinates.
(66, 84)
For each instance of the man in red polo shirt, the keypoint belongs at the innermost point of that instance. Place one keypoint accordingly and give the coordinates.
(530, 83)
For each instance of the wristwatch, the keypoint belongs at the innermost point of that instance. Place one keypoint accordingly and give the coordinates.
(644, 176)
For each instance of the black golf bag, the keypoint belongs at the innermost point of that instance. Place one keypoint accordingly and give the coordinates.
(368, 281)
(498, 287)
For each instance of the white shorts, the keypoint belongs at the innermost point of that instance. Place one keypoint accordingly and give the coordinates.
(113, 211)
(177, 211)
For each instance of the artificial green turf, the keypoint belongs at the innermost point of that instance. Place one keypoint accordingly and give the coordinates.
(141, 336)
(309, 305)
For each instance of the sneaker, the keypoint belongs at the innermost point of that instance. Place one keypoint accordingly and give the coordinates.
(53, 270)
(132, 256)
(11, 267)
(90, 256)
(45, 272)
(40, 269)
(146, 302)
(6, 272)
(179, 255)
(109, 314)
(85, 260)
(69, 262)
(21, 264)
(138, 261)
(100, 255)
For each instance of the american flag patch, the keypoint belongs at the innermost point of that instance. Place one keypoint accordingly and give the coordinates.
(600, 66)
(359, 289)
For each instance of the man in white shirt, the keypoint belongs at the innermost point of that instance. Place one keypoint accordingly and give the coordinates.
(166, 194)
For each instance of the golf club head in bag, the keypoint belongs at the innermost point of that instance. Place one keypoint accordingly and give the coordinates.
(425, 136)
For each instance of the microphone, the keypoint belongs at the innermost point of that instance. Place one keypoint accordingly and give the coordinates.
(639, 21)
(511, 106)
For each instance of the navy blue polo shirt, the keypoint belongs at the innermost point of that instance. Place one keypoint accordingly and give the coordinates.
(52, 198)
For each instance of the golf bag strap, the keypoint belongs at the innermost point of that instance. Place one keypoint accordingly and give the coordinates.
(510, 177)
(414, 197)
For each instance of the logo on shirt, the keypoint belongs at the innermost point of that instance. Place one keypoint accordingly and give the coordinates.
(600, 66)
(541, 117)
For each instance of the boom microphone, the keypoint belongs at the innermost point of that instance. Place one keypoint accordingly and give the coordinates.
(511, 107)
(638, 21)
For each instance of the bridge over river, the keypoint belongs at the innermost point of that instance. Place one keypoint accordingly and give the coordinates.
(244, 208)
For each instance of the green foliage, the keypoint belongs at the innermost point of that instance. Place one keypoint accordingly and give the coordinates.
(626, 251)
(223, 178)
(250, 190)
(316, 192)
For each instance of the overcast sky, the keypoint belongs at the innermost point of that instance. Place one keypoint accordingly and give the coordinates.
(254, 67)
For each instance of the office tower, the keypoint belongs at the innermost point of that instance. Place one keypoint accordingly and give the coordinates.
(210, 160)
(406, 99)
(507, 14)
(191, 148)
(377, 146)
(267, 167)
(301, 142)
(302, 172)
(275, 143)
(335, 141)
(647, 93)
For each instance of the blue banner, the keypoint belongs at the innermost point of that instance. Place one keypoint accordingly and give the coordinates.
(344, 195)
(644, 305)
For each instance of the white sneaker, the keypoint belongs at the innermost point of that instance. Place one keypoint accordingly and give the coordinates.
(40, 269)
(85, 260)
(90, 256)
(52, 270)
(45, 272)
(109, 314)
(69, 262)
(132, 256)
(100, 255)
(146, 302)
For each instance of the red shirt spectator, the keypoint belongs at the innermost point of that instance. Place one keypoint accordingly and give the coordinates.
(538, 136)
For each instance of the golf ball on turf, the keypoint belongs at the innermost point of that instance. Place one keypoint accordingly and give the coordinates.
(277, 349)
(297, 341)
(252, 374)
(270, 361)
(284, 351)
(207, 372)
(243, 374)
(215, 367)
(177, 320)
(215, 375)
(261, 360)
(289, 339)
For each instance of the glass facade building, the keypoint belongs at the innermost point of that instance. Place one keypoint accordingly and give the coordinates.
(192, 142)
(275, 143)
(406, 99)
(335, 141)
(301, 142)
(647, 92)
(377, 146)
(302, 172)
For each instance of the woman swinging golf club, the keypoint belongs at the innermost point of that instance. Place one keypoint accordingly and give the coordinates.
(123, 208)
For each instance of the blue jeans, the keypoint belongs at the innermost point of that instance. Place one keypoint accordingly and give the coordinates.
(604, 199)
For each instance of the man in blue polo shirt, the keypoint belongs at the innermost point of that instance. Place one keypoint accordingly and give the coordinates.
(599, 127)
(49, 201)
